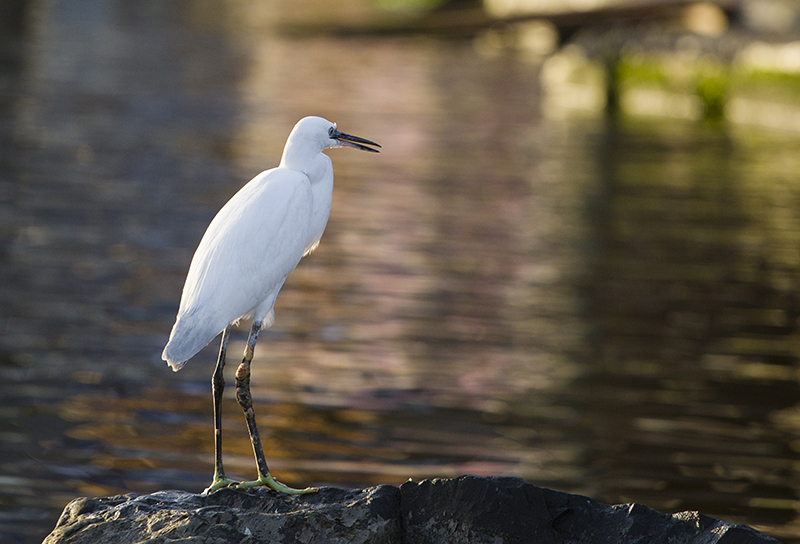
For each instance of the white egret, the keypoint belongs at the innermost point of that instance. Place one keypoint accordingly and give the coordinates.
(252, 244)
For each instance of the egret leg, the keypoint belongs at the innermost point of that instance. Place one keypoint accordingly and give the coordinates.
(246, 402)
(217, 387)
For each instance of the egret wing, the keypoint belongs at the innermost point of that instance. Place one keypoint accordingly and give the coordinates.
(249, 248)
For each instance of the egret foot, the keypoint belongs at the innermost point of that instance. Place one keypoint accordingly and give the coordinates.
(270, 482)
(219, 483)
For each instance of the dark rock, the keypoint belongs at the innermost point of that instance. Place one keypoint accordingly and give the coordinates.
(473, 509)
(510, 510)
(230, 516)
(463, 510)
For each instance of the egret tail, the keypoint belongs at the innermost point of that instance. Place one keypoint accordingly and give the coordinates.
(186, 339)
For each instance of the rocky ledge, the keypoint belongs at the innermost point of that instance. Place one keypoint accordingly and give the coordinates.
(463, 510)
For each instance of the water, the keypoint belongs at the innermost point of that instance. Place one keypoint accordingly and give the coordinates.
(603, 308)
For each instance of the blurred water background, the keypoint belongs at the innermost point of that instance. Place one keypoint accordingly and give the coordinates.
(594, 286)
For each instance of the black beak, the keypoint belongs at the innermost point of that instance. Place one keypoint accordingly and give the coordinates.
(354, 141)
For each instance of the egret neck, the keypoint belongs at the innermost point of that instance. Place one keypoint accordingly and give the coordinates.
(302, 155)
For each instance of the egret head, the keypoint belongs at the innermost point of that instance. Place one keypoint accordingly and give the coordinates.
(316, 134)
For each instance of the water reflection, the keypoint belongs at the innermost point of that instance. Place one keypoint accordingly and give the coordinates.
(603, 309)
(694, 315)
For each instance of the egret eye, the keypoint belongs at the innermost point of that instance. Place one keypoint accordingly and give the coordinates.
(330, 131)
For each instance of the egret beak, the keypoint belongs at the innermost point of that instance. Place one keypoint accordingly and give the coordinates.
(346, 140)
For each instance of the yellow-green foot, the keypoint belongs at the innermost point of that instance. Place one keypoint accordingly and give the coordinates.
(270, 482)
(219, 483)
